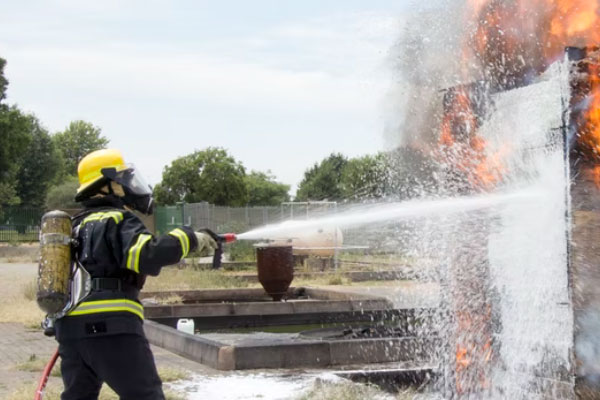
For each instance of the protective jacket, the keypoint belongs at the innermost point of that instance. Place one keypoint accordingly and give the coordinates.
(118, 251)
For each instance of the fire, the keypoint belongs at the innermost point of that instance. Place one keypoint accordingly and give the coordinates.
(462, 147)
(513, 41)
(589, 134)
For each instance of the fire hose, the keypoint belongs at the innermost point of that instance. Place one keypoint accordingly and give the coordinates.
(39, 393)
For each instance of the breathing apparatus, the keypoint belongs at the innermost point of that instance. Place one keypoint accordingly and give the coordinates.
(62, 282)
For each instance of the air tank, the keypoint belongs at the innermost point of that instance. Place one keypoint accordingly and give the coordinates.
(55, 262)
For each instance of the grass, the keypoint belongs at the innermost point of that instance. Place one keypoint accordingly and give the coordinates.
(18, 303)
(323, 280)
(36, 364)
(170, 374)
(170, 299)
(348, 390)
(29, 290)
(189, 279)
(343, 390)
(193, 278)
(19, 252)
(52, 392)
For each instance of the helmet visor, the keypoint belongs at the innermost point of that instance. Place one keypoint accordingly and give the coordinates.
(133, 180)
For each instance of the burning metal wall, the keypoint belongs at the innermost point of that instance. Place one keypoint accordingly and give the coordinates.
(584, 133)
(507, 313)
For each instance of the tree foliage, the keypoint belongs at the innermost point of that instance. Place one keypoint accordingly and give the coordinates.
(323, 181)
(62, 195)
(365, 177)
(263, 190)
(39, 166)
(14, 139)
(210, 175)
(3, 80)
(76, 141)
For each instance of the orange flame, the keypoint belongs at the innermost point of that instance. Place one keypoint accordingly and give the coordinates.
(514, 41)
(463, 148)
(589, 134)
(520, 38)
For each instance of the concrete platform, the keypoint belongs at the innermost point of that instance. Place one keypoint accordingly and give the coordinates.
(241, 308)
(252, 351)
(218, 309)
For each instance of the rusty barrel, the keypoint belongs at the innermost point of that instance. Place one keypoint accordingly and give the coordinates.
(275, 269)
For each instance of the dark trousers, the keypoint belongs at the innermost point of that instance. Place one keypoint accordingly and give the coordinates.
(125, 362)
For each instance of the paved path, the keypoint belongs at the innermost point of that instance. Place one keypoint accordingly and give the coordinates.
(18, 344)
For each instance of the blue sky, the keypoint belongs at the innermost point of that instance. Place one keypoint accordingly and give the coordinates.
(279, 84)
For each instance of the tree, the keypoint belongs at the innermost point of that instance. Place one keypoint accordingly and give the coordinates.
(79, 139)
(39, 165)
(209, 175)
(62, 195)
(323, 180)
(3, 80)
(263, 190)
(14, 139)
(365, 177)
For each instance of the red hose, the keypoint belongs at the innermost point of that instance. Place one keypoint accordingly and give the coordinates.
(39, 393)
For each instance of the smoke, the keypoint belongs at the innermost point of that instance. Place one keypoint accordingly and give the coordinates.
(425, 60)
(588, 346)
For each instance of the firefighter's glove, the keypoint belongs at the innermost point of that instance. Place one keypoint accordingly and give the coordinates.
(206, 244)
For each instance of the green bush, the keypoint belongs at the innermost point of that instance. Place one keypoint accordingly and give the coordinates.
(62, 196)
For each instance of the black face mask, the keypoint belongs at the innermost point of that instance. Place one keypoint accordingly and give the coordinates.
(143, 204)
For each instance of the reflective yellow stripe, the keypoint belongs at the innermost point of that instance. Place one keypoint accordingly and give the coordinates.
(116, 215)
(100, 306)
(183, 239)
(133, 256)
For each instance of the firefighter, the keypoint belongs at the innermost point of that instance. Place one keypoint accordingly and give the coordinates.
(102, 339)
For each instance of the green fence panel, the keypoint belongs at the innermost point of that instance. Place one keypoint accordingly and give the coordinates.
(168, 218)
(19, 224)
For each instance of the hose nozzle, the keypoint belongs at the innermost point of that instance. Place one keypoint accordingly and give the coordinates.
(228, 237)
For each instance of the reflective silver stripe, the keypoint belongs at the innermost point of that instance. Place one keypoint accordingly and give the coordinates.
(133, 257)
(116, 215)
(100, 306)
(183, 240)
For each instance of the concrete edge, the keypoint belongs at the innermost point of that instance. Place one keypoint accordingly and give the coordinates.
(313, 353)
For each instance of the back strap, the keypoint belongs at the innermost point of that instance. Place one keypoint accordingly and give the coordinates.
(107, 284)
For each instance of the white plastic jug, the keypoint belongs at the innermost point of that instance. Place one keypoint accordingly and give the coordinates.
(186, 325)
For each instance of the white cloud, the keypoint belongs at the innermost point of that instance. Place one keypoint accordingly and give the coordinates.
(321, 79)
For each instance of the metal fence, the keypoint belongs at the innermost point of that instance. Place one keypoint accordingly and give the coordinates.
(18, 224)
(217, 218)
(23, 224)
(238, 219)
(242, 219)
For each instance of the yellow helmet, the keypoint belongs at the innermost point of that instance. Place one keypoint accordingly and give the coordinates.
(100, 167)
(91, 166)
